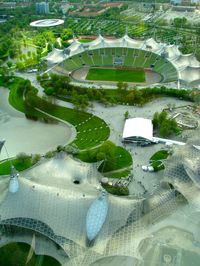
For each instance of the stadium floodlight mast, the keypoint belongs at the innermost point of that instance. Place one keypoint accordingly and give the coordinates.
(13, 184)
(177, 38)
(99, 32)
(2, 142)
(126, 31)
(154, 31)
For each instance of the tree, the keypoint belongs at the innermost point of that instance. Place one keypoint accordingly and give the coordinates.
(119, 85)
(126, 115)
(155, 120)
(164, 125)
(22, 157)
(9, 64)
(36, 158)
(49, 47)
(180, 22)
(125, 86)
(100, 156)
(66, 34)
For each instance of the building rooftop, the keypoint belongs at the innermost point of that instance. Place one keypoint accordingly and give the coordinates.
(138, 127)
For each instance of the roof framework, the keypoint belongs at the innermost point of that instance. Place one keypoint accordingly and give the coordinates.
(59, 207)
(187, 66)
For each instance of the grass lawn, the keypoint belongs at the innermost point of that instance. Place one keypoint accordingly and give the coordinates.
(15, 254)
(160, 155)
(119, 191)
(85, 40)
(19, 165)
(122, 159)
(15, 95)
(157, 165)
(156, 160)
(111, 74)
(116, 158)
(91, 130)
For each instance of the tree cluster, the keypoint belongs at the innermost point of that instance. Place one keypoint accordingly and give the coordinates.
(165, 126)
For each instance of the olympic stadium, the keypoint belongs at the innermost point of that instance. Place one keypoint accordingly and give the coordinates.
(155, 62)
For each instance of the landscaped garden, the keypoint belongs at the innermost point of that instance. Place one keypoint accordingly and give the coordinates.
(114, 157)
(90, 144)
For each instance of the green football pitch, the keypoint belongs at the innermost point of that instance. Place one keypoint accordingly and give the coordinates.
(112, 74)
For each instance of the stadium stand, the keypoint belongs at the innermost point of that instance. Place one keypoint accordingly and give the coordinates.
(126, 57)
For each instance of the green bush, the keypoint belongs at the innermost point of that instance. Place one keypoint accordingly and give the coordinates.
(165, 126)
(114, 157)
(119, 191)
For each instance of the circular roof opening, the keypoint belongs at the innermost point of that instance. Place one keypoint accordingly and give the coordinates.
(77, 182)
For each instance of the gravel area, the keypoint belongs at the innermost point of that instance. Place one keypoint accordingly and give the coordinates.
(23, 135)
(114, 116)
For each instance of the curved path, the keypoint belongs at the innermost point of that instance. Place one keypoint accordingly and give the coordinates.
(23, 135)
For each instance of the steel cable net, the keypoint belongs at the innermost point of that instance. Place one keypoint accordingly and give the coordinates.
(182, 169)
(186, 66)
(48, 202)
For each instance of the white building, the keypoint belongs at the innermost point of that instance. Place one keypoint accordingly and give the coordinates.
(138, 130)
(42, 8)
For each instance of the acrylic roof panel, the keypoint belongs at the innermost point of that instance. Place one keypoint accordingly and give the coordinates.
(153, 46)
(192, 168)
(138, 127)
(96, 216)
(190, 74)
(56, 56)
(133, 43)
(172, 51)
(187, 60)
(13, 185)
(113, 42)
(187, 66)
(76, 48)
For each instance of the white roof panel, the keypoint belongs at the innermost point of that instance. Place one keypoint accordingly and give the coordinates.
(138, 127)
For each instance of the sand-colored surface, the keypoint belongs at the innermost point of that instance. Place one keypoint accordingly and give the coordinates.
(23, 135)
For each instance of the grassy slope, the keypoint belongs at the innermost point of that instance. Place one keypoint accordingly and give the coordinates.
(156, 160)
(91, 130)
(85, 40)
(159, 155)
(107, 74)
(19, 166)
(122, 159)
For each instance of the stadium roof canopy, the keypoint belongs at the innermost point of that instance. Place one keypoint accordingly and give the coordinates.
(185, 65)
(138, 130)
(49, 203)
